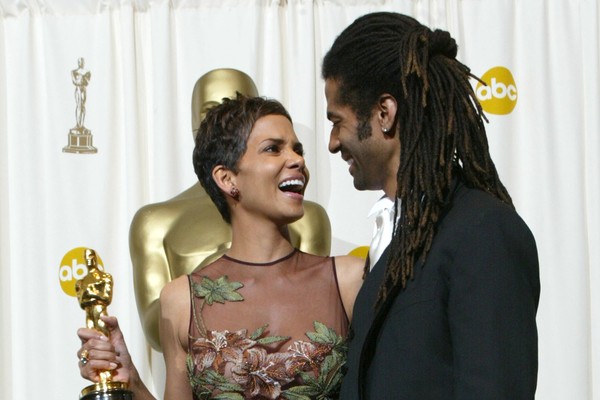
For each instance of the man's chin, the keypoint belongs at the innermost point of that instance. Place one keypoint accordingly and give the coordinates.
(359, 184)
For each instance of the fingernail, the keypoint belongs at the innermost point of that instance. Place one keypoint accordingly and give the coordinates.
(103, 338)
(112, 365)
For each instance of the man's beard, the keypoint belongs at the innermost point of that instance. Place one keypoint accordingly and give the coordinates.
(363, 128)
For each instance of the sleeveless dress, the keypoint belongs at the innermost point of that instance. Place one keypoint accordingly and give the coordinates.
(267, 331)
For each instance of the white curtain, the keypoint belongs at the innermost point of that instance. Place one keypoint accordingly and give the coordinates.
(145, 56)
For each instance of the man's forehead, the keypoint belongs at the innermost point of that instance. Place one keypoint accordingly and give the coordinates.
(335, 109)
(331, 87)
(332, 95)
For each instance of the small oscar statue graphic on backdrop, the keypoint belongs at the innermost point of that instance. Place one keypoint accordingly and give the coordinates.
(80, 138)
(94, 292)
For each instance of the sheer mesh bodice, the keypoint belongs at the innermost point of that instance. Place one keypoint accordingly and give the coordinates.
(267, 331)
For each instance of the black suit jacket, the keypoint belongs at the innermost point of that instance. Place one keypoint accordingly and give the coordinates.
(464, 327)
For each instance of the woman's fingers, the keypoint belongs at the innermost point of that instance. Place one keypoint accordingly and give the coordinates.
(86, 333)
(95, 354)
(100, 353)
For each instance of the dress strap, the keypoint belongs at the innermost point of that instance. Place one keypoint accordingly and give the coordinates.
(191, 303)
(337, 285)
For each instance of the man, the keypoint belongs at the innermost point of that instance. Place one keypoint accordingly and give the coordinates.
(448, 311)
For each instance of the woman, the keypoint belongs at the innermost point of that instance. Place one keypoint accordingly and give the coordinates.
(265, 320)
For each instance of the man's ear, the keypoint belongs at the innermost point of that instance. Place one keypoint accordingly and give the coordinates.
(386, 109)
(224, 178)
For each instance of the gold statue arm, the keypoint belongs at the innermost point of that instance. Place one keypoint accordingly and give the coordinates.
(170, 239)
(151, 270)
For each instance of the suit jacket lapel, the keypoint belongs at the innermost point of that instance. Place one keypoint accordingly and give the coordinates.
(370, 343)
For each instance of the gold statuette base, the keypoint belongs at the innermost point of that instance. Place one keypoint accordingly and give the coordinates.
(80, 141)
(106, 391)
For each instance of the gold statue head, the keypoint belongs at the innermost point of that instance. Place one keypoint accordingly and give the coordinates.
(212, 87)
(90, 258)
(95, 288)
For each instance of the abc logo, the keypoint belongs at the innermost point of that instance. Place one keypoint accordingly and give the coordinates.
(500, 94)
(361, 251)
(72, 268)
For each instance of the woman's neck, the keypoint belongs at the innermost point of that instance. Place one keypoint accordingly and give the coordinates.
(259, 242)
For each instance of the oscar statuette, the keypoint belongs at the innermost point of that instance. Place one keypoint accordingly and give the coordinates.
(94, 292)
(80, 137)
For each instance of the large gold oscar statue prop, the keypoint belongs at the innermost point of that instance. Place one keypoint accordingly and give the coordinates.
(94, 292)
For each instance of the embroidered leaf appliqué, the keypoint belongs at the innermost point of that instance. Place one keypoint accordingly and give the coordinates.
(228, 396)
(327, 382)
(208, 381)
(218, 291)
(321, 389)
(258, 332)
(300, 393)
(257, 335)
(330, 375)
(272, 339)
(220, 382)
(323, 334)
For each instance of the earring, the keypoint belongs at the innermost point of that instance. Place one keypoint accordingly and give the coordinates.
(234, 192)
(384, 129)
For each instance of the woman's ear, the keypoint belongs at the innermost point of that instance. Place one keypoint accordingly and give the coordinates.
(225, 180)
(386, 107)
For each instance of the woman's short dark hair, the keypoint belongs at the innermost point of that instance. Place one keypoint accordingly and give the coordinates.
(222, 139)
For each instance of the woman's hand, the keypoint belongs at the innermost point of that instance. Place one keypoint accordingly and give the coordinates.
(99, 353)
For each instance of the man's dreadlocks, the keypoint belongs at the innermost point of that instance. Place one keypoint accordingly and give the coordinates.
(439, 120)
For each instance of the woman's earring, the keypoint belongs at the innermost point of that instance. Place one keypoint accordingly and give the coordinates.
(234, 192)
(384, 129)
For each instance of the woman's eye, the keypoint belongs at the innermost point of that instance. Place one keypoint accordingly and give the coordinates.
(272, 149)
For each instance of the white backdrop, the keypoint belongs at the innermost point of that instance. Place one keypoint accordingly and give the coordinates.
(145, 57)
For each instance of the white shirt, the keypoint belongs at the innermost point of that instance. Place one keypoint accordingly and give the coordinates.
(383, 210)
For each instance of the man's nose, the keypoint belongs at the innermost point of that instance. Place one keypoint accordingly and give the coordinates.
(334, 143)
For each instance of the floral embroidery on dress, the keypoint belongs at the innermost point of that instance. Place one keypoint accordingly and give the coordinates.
(236, 366)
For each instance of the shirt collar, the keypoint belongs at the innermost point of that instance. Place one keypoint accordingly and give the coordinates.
(381, 204)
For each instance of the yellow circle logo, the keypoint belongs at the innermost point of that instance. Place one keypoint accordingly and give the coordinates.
(72, 268)
(361, 251)
(500, 94)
